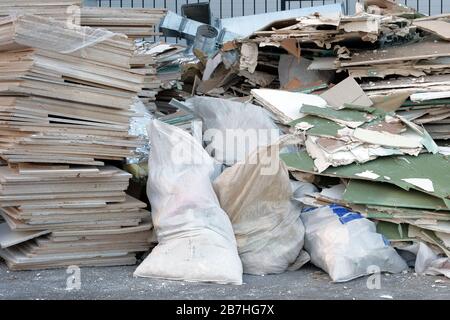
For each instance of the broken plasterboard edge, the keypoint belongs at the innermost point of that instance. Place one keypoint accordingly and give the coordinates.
(10, 237)
(377, 193)
(425, 184)
(323, 64)
(388, 139)
(427, 141)
(437, 27)
(285, 104)
(354, 94)
(335, 192)
(425, 96)
(347, 117)
(444, 150)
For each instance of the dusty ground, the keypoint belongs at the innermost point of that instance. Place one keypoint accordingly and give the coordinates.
(307, 283)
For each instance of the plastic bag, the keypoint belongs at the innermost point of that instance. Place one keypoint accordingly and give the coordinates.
(256, 194)
(346, 245)
(196, 240)
(233, 129)
(138, 128)
(426, 261)
(47, 34)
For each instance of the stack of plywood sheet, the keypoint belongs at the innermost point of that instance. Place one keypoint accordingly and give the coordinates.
(57, 9)
(66, 96)
(66, 93)
(134, 22)
(62, 215)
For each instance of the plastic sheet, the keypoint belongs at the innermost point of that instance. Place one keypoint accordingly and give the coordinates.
(49, 34)
(138, 128)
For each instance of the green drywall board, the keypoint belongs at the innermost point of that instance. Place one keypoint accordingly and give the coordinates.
(349, 106)
(393, 231)
(426, 103)
(322, 127)
(375, 193)
(388, 212)
(343, 114)
(435, 167)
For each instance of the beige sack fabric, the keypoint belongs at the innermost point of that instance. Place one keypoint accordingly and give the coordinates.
(256, 194)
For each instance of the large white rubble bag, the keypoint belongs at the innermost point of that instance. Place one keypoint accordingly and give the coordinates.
(346, 245)
(256, 194)
(195, 236)
(233, 129)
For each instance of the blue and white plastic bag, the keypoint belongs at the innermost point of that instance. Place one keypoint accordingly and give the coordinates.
(346, 245)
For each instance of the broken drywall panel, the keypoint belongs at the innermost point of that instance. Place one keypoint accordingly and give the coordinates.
(10, 237)
(425, 96)
(414, 51)
(324, 158)
(390, 102)
(437, 27)
(422, 84)
(246, 25)
(377, 211)
(347, 91)
(388, 124)
(412, 141)
(350, 118)
(318, 19)
(286, 105)
(426, 140)
(393, 170)
(430, 224)
(387, 7)
(367, 26)
(384, 194)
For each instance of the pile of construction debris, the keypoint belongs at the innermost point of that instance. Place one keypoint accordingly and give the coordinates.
(366, 97)
(314, 136)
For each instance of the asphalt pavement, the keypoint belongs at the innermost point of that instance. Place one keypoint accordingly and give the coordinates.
(306, 283)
